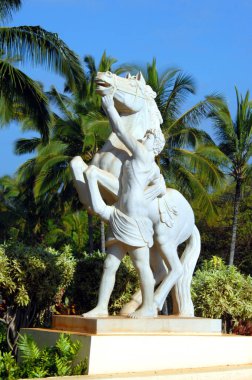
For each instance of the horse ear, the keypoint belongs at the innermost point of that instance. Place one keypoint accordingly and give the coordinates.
(128, 76)
(140, 77)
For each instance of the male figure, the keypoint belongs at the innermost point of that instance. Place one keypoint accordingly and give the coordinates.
(128, 218)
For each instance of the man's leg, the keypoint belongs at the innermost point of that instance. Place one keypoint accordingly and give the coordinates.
(115, 255)
(140, 258)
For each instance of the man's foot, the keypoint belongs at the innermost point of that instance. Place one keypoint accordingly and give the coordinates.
(96, 312)
(129, 308)
(143, 312)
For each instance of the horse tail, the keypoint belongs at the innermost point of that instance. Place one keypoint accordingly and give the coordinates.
(182, 301)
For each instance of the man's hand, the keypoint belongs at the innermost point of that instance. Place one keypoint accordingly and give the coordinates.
(158, 189)
(107, 102)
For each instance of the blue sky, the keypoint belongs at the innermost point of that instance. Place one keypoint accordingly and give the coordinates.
(210, 39)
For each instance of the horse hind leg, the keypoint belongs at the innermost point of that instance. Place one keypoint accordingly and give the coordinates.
(181, 293)
(170, 256)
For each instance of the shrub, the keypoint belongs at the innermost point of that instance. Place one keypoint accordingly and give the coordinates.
(8, 366)
(57, 360)
(84, 292)
(31, 279)
(221, 291)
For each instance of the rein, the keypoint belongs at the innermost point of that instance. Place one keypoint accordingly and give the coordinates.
(121, 87)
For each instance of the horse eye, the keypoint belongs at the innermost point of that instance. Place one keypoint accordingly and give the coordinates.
(109, 73)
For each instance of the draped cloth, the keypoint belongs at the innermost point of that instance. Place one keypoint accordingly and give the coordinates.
(131, 231)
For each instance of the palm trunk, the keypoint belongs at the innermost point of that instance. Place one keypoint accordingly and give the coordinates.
(102, 237)
(91, 232)
(235, 221)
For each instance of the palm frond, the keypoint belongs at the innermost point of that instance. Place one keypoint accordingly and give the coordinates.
(193, 116)
(19, 90)
(106, 62)
(39, 46)
(7, 7)
(62, 102)
(50, 175)
(198, 163)
(23, 146)
(186, 137)
(26, 171)
(192, 188)
(172, 99)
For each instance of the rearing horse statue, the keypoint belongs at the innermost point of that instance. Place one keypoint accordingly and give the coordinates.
(171, 215)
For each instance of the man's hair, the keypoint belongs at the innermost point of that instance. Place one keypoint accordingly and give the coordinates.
(159, 140)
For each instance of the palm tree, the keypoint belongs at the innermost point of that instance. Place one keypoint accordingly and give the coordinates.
(235, 141)
(18, 92)
(190, 161)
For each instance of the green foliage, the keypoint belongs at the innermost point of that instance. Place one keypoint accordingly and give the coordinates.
(72, 229)
(8, 367)
(57, 360)
(221, 291)
(222, 227)
(3, 337)
(34, 274)
(87, 280)
(33, 279)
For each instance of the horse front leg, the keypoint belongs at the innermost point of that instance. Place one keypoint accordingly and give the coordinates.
(108, 182)
(78, 167)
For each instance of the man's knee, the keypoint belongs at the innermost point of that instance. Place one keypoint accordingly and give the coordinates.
(111, 264)
(90, 173)
(77, 163)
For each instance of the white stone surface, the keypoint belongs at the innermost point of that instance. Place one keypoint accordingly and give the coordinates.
(120, 325)
(242, 372)
(139, 353)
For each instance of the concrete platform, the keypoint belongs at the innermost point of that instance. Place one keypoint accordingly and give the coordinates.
(121, 325)
(125, 353)
(214, 373)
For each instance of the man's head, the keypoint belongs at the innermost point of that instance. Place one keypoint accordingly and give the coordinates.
(154, 140)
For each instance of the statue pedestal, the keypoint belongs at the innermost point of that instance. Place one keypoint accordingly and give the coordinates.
(111, 349)
(121, 325)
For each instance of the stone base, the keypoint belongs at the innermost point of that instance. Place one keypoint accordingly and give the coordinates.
(126, 353)
(121, 325)
(243, 372)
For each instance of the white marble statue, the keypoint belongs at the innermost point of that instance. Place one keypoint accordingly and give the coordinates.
(170, 216)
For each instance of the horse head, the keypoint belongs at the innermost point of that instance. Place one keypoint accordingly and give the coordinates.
(129, 93)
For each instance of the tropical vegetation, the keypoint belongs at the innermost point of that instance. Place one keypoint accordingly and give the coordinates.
(235, 141)
(221, 291)
(48, 243)
(56, 360)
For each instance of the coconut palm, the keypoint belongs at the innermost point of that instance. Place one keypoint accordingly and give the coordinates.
(19, 93)
(235, 141)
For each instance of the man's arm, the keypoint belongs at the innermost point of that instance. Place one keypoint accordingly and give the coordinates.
(130, 142)
(157, 187)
